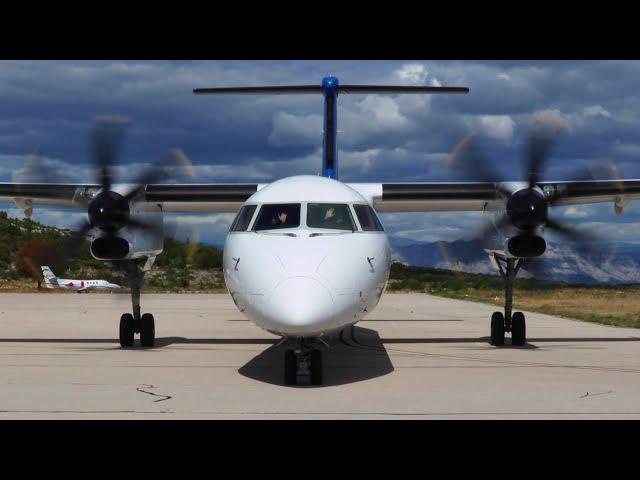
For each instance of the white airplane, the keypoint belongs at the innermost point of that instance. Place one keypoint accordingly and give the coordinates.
(79, 286)
(307, 256)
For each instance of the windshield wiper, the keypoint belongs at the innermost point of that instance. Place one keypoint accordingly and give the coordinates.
(288, 234)
(317, 234)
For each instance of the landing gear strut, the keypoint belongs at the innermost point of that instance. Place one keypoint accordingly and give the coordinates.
(136, 323)
(303, 365)
(508, 322)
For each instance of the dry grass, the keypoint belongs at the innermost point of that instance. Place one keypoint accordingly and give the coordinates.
(20, 286)
(610, 306)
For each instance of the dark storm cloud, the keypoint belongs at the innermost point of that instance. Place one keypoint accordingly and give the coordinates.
(50, 106)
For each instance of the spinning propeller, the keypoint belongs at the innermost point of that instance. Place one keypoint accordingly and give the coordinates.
(109, 211)
(527, 209)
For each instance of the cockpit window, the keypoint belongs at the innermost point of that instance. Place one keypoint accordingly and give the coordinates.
(274, 217)
(243, 219)
(329, 215)
(368, 218)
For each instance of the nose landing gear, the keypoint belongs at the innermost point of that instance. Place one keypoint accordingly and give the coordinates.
(514, 323)
(303, 365)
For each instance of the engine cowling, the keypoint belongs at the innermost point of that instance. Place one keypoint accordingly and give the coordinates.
(110, 248)
(526, 246)
(128, 243)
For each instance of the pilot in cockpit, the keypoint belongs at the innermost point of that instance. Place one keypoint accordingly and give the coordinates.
(280, 219)
(330, 217)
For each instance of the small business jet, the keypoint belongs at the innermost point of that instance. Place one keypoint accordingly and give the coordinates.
(307, 256)
(79, 286)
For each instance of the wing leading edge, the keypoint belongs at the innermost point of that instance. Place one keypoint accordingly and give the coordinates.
(478, 196)
(385, 197)
(172, 197)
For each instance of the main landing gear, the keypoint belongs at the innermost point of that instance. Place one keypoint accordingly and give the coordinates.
(303, 365)
(514, 323)
(136, 323)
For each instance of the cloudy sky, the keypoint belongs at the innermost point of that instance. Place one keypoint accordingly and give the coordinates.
(50, 105)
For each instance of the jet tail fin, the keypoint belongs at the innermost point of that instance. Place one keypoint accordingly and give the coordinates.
(49, 277)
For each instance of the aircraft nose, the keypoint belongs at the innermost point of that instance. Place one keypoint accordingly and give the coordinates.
(300, 306)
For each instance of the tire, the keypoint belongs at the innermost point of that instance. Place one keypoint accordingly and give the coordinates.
(290, 368)
(316, 367)
(518, 329)
(126, 330)
(147, 330)
(497, 329)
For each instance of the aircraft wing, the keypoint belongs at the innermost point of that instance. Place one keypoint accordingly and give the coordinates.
(385, 197)
(172, 197)
(477, 196)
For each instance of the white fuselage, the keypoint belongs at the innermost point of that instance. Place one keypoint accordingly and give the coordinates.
(82, 285)
(306, 281)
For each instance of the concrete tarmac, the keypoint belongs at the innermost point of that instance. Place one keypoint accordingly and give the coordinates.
(416, 356)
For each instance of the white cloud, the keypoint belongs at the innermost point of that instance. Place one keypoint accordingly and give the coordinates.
(362, 161)
(551, 120)
(198, 227)
(435, 226)
(412, 73)
(500, 127)
(576, 212)
(596, 111)
(626, 148)
(384, 111)
(383, 138)
(291, 129)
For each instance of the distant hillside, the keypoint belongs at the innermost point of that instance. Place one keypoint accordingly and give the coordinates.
(606, 264)
(15, 233)
(180, 266)
(183, 265)
(440, 281)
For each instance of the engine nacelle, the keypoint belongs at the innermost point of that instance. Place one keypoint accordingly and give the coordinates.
(131, 243)
(525, 246)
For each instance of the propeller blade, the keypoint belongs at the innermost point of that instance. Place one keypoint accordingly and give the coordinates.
(492, 228)
(607, 170)
(544, 133)
(174, 160)
(569, 232)
(70, 246)
(106, 139)
(538, 267)
(36, 171)
(144, 225)
(467, 160)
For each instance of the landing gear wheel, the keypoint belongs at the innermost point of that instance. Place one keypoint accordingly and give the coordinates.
(518, 329)
(127, 330)
(497, 329)
(290, 367)
(147, 330)
(316, 367)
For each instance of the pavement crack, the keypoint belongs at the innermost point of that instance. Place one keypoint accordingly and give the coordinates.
(588, 394)
(164, 397)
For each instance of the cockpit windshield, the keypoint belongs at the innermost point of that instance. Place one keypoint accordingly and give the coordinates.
(275, 217)
(329, 215)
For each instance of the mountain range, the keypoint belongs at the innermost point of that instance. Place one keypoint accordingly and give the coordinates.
(611, 263)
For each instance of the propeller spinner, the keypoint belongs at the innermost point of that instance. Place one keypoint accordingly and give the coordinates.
(526, 209)
(110, 211)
